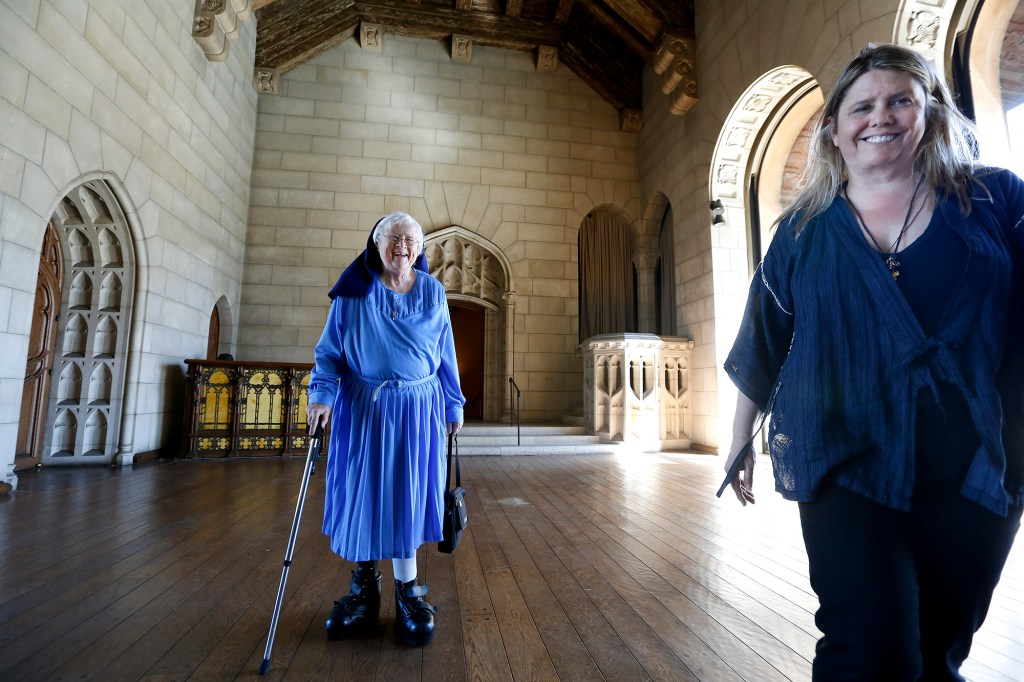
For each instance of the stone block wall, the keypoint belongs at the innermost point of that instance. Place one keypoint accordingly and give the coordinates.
(514, 155)
(117, 90)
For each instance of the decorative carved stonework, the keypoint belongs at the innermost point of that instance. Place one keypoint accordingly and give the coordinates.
(923, 29)
(737, 137)
(466, 268)
(646, 257)
(727, 174)
(202, 26)
(684, 98)
(371, 37)
(547, 58)
(631, 120)
(636, 389)
(672, 47)
(784, 79)
(462, 48)
(266, 80)
(216, 23)
(680, 74)
(928, 26)
(675, 60)
(757, 103)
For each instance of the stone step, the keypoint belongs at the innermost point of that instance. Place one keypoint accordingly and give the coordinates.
(534, 439)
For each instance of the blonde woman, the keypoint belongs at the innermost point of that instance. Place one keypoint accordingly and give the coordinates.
(882, 334)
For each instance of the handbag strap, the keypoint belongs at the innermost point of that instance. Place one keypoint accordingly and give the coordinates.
(452, 438)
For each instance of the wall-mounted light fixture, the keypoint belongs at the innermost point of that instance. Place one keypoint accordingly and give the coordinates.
(717, 212)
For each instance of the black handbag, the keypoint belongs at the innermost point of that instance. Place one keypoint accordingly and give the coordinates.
(456, 518)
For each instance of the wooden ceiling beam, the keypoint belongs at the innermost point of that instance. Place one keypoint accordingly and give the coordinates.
(289, 33)
(643, 50)
(639, 16)
(285, 39)
(563, 11)
(620, 94)
(435, 22)
(604, 42)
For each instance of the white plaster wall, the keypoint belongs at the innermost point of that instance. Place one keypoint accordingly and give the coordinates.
(117, 89)
(737, 42)
(515, 155)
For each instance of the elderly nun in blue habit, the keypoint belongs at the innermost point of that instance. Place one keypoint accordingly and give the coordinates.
(386, 370)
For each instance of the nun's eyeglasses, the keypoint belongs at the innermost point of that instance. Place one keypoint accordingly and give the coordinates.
(408, 241)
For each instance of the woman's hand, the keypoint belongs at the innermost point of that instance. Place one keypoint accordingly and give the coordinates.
(317, 414)
(743, 483)
(742, 427)
(454, 428)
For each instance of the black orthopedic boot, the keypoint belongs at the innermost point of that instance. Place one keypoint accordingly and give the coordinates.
(360, 608)
(414, 617)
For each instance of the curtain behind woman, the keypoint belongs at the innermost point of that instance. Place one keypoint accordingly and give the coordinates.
(606, 276)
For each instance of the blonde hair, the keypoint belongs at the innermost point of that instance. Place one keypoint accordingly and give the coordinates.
(945, 156)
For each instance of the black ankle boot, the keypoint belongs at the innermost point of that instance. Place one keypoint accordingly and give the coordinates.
(415, 617)
(360, 608)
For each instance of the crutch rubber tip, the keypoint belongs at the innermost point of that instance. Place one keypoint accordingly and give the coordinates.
(265, 666)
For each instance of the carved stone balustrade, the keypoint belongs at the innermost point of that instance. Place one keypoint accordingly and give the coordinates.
(245, 409)
(635, 389)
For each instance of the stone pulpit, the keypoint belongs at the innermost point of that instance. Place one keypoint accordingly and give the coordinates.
(635, 390)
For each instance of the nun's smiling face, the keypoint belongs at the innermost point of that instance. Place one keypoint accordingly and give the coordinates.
(399, 248)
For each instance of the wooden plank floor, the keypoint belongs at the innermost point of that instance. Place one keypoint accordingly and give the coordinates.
(575, 568)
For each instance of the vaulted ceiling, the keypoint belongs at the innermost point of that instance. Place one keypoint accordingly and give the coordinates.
(606, 43)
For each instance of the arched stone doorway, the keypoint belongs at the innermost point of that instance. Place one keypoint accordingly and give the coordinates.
(478, 280)
(86, 395)
(945, 31)
(780, 101)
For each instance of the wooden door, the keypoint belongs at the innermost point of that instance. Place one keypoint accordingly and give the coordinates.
(29, 449)
(468, 330)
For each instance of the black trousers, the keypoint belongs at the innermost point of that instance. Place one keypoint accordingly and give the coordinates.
(902, 593)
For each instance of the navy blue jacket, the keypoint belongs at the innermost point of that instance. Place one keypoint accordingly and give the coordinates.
(830, 345)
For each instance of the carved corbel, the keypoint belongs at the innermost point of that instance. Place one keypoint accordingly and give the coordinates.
(631, 120)
(215, 23)
(266, 80)
(684, 98)
(371, 37)
(672, 47)
(676, 60)
(208, 33)
(462, 48)
(547, 58)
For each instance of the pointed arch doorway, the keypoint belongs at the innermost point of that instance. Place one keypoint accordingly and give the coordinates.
(74, 393)
(477, 279)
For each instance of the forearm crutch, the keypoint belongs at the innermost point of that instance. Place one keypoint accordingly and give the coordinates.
(314, 452)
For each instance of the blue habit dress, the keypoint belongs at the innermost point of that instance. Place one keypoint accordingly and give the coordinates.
(386, 362)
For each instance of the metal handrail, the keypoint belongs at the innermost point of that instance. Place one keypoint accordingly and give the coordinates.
(514, 413)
